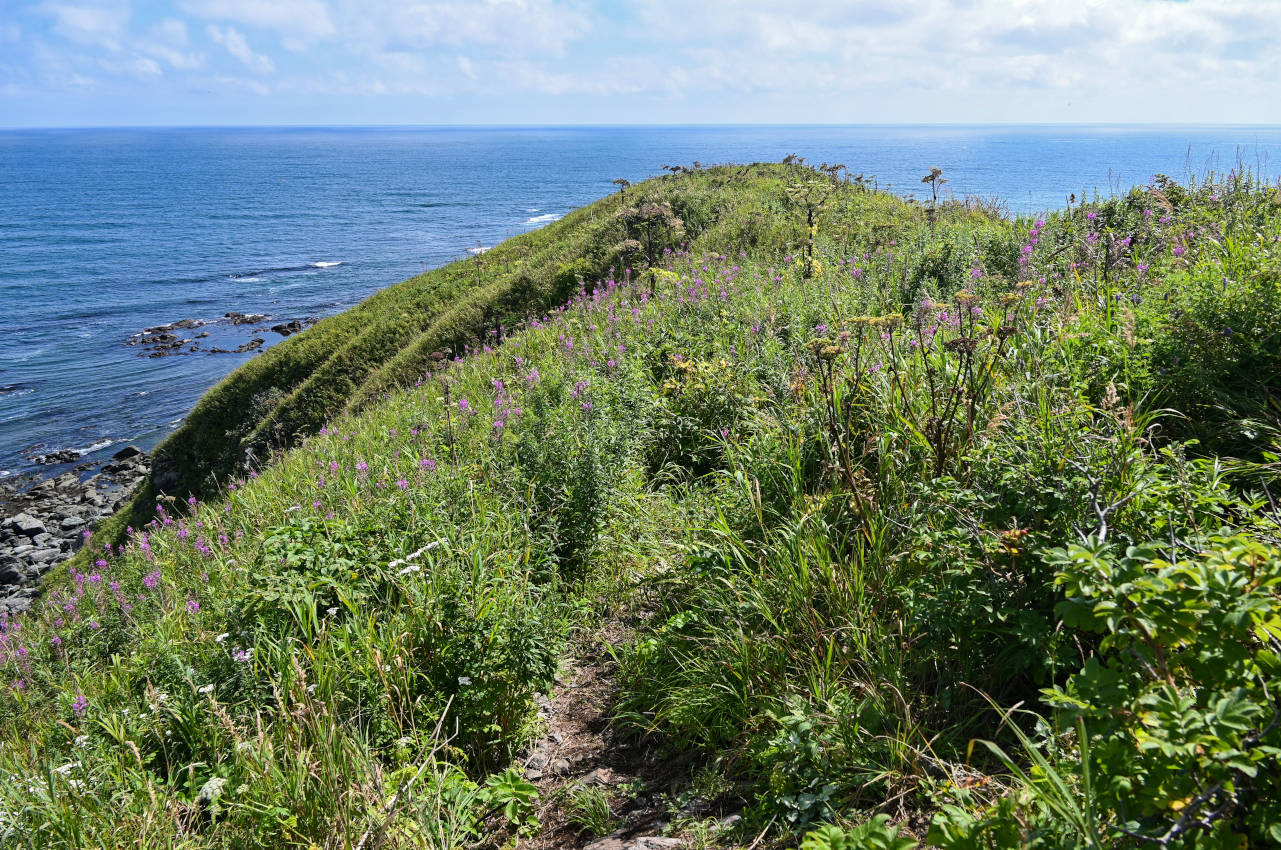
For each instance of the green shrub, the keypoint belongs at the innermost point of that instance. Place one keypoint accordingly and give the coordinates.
(875, 834)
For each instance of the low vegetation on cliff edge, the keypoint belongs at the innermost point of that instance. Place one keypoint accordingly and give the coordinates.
(937, 527)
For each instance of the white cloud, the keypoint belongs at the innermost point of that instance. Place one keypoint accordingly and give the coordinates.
(299, 23)
(104, 25)
(139, 67)
(237, 46)
(166, 41)
(513, 26)
(819, 60)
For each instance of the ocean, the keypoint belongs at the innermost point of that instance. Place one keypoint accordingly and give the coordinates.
(104, 233)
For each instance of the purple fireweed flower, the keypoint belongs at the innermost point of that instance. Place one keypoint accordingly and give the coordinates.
(80, 705)
(427, 464)
(1179, 250)
(402, 484)
(149, 581)
(465, 406)
(193, 605)
(361, 466)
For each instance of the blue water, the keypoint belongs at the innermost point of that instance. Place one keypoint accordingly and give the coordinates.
(106, 232)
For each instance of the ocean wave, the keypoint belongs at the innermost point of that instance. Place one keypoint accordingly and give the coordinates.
(542, 219)
(479, 249)
(256, 275)
(96, 447)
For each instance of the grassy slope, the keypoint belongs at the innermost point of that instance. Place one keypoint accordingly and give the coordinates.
(389, 339)
(843, 525)
(296, 386)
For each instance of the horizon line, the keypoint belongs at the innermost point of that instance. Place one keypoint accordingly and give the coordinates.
(607, 125)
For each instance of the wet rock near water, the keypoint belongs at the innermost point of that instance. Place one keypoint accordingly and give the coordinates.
(63, 456)
(45, 522)
(170, 339)
(288, 328)
(245, 318)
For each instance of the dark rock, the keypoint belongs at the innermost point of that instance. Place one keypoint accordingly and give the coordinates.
(245, 318)
(15, 605)
(182, 324)
(10, 575)
(45, 556)
(62, 456)
(42, 539)
(127, 452)
(601, 777)
(288, 328)
(252, 345)
(25, 524)
(71, 523)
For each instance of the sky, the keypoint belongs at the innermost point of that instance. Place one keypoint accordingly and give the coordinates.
(511, 62)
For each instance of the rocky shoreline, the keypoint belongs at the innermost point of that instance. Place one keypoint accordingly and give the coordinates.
(45, 522)
(168, 340)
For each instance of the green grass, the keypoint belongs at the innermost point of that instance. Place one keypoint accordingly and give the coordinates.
(870, 485)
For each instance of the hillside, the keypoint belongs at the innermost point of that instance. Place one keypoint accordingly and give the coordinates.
(832, 519)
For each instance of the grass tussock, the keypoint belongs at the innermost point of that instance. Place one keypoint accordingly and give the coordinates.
(947, 527)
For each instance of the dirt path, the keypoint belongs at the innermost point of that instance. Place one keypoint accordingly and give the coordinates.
(581, 755)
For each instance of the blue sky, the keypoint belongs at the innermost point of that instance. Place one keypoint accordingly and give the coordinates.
(203, 62)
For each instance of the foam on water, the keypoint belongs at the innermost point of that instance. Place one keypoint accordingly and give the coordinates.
(96, 447)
